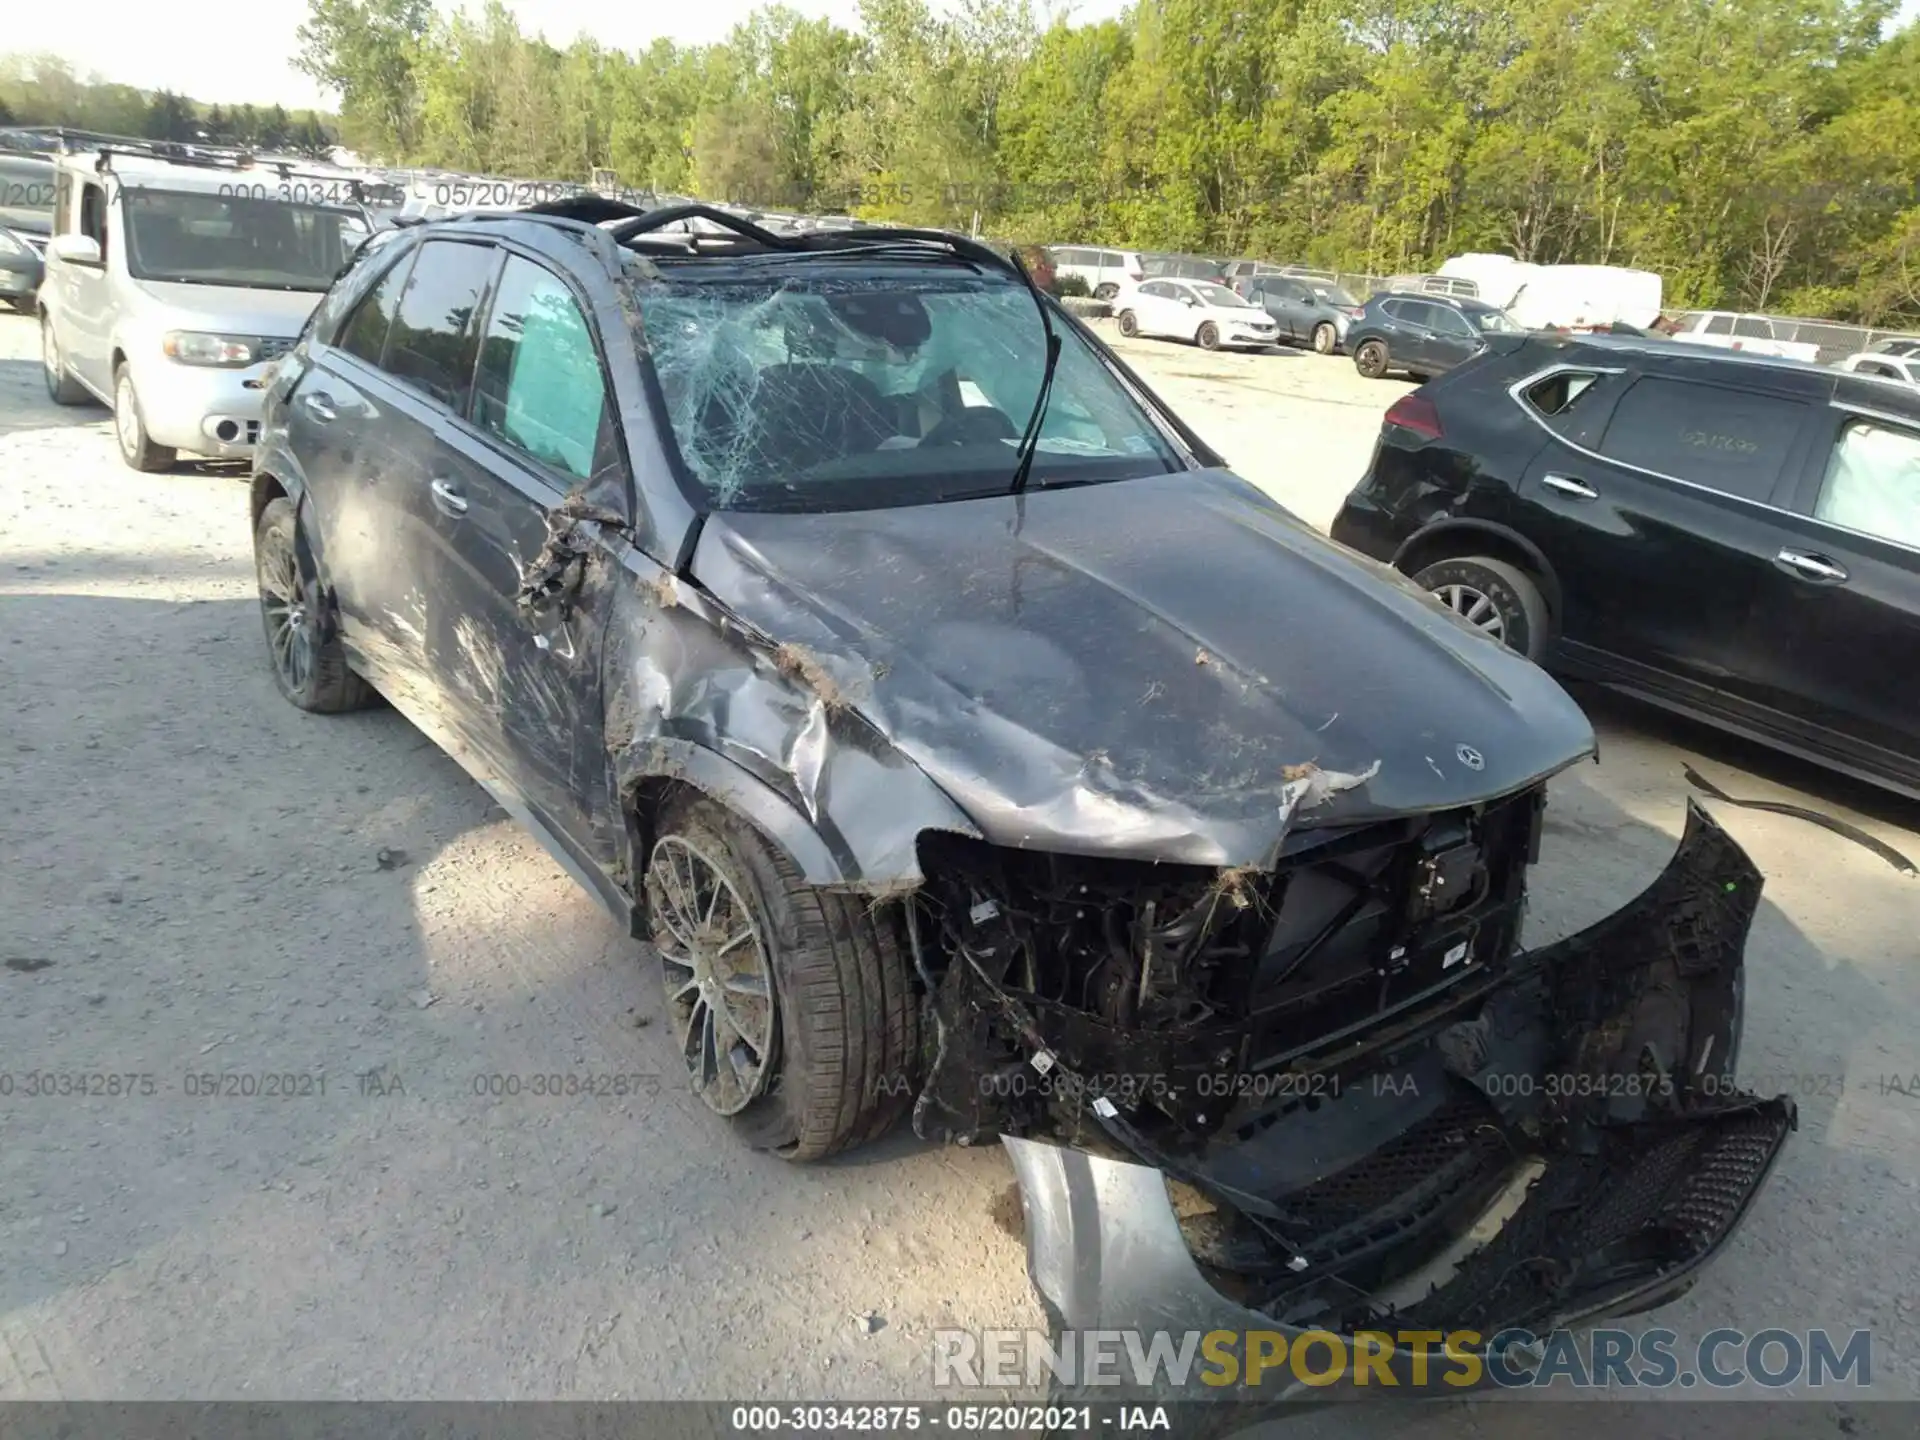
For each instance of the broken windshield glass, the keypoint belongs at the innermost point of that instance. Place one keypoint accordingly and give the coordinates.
(813, 390)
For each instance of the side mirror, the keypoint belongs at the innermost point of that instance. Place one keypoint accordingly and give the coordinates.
(76, 249)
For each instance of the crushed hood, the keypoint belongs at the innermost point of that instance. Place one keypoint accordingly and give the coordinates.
(1145, 668)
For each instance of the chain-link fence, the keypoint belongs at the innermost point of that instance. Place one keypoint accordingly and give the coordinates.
(1835, 338)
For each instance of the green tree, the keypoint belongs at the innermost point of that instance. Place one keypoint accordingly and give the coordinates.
(365, 50)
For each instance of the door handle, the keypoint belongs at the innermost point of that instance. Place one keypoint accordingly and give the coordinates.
(1817, 568)
(447, 499)
(1568, 486)
(320, 406)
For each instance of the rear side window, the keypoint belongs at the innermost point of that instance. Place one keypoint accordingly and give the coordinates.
(1557, 394)
(1752, 327)
(1729, 440)
(365, 333)
(432, 341)
(540, 386)
(1718, 325)
(1873, 483)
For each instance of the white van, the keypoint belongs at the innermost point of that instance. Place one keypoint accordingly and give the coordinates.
(1572, 297)
(173, 279)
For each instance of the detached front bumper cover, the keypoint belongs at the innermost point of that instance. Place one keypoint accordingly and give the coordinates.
(1651, 1156)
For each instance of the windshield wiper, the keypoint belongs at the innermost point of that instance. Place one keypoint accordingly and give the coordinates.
(1030, 437)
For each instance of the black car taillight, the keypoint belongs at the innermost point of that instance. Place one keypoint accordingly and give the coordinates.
(1416, 415)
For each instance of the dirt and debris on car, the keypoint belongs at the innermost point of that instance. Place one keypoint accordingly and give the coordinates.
(970, 743)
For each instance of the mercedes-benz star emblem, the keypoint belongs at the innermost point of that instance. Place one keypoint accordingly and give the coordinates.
(1470, 757)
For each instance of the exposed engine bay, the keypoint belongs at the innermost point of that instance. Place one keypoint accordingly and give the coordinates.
(1345, 1062)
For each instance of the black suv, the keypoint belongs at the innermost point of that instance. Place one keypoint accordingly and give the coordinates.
(869, 637)
(1423, 335)
(1728, 535)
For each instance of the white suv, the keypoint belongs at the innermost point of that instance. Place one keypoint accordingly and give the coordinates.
(1106, 272)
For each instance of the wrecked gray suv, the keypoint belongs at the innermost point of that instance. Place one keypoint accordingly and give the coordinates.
(968, 741)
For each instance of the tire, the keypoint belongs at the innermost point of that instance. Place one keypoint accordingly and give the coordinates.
(840, 1059)
(130, 428)
(1498, 599)
(1208, 336)
(1371, 359)
(1324, 338)
(1129, 324)
(61, 385)
(312, 674)
(1106, 291)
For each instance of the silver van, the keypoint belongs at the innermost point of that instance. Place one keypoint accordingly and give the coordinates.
(174, 279)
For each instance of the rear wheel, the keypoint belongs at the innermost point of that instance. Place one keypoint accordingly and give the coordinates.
(1324, 338)
(1105, 291)
(130, 428)
(1371, 359)
(1498, 599)
(790, 1005)
(61, 385)
(311, 672)
(1209, 336)
(1129, 323)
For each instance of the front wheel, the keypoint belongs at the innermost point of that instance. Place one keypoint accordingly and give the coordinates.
(1324, 338)
(1500, 600)
(1209, 336)
(790, 1006)
(130, 428)
(1371, 359)
(1129, 324)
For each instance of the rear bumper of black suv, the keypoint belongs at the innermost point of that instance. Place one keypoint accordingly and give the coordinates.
(1603, 1072)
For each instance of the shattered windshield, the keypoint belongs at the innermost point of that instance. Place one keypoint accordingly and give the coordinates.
(1494, 322)
(242, 240)
(815, 390)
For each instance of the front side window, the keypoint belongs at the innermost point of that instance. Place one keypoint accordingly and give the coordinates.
(1495, 322)
(1873, 483)
(540, 386)
(804, 389)
(1752, 327)
(1451, 322)
(201, 238)
(431, 343)
(93, 216)
(1718, 325)
(1734, 441)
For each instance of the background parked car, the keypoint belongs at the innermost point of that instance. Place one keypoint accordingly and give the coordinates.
(1755, 334)
(1734, 537)
(1106, 272)
(1184, 267)
(1209, 315)
(1902, 368)
(1422, 334)
(21, 266)
(1311, 312)
(1458, 286)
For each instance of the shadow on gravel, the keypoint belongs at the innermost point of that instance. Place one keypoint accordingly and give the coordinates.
(24, 402)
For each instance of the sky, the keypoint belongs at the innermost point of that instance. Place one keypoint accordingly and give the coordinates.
(241, 50)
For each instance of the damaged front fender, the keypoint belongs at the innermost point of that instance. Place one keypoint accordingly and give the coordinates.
(1595, 1091)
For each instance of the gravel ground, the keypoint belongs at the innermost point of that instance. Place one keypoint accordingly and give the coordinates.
(196, 880)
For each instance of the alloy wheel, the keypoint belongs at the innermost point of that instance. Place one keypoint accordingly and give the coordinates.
(289, 617)
(1476, 607)
(718, 980)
